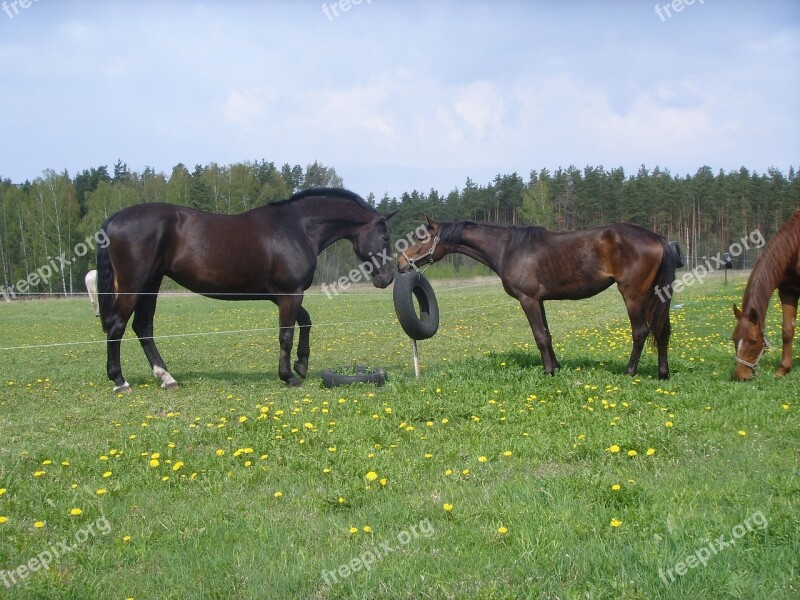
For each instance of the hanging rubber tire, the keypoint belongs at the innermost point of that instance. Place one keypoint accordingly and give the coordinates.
(344, 376)
(406, 287)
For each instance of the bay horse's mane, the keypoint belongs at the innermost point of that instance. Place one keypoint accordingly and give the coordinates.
(520, 236)
(770, 266)
(338, 192)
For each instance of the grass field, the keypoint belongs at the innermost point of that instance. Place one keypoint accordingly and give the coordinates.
(482, 479)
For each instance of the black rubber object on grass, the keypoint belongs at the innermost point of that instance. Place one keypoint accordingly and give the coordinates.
(335, 377)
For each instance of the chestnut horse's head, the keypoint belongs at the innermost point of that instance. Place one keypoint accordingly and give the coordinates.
(749, 342)
(424, 250)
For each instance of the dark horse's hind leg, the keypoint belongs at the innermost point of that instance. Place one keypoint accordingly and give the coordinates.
(143, 327)
(303, 342)
(287, 316)
(115, 324)
(639, 330)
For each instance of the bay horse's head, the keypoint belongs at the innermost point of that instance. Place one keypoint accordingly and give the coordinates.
(749, 342)
(371, 245)
(424, 251)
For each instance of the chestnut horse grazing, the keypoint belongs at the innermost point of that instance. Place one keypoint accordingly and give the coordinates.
(268, 253)
(537, 265)
(777, 267)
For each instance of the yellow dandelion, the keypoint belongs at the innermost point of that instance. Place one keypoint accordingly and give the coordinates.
(326, 470)
(448, 472)
(342, 500)
(3, 519)
(367, 529)
(242, 419)
(220, 452)
(502, 530)
(669, 424)
(155, 455)
(372, 476)
(353, 530)
(428, 455)
(278, 494)
(47, 462)
(465, 472)
(177, 465)
(616, 522)
(154, 463)
(101, 491)
(64, 463)
(632, 453)
(743, 433)
(38, 473)
(616, 487)
(447, 506)
(126, 538)
(107, 474)
(38, 524)
(613, 448)
(2, 491)
(507, 453)
(75, 512)
(482, 459)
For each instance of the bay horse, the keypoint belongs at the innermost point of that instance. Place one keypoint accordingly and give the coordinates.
(778, 267)
(535, 265)
(267, 253)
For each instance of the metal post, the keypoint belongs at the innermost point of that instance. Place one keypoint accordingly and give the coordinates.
(416, 357)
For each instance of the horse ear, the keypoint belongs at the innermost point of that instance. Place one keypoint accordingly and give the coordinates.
(753, 316)
(388, 216)
(431, 222)
(736, 312)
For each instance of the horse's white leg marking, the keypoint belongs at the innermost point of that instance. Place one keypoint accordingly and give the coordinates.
(125, 388)
(166, 379)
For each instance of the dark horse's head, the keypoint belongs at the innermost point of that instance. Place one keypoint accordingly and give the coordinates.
(371, 245)
(749, 341)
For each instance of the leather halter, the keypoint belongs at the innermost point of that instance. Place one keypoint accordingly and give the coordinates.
(428, 254)
(753, 365)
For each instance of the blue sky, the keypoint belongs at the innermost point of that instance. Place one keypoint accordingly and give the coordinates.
(397, 95)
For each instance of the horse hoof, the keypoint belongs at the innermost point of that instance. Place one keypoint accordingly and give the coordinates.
(301, 368)
(294, 382)
(125, 388)
(170, 386)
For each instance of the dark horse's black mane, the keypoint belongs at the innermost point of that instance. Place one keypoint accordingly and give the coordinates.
(338, 192)
(520, 236)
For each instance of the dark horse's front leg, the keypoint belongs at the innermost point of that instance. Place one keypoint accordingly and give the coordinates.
(303, 342)
(288, 308)
(789, 310)
(534, 310)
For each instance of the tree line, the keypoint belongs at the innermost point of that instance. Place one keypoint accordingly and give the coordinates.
(706, 212)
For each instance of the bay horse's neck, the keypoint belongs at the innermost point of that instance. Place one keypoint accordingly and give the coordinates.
(768, 274)
(328, 220)
(484, 242)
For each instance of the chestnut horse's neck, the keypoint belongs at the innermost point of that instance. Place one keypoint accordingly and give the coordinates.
(773, 268)
(485, 242)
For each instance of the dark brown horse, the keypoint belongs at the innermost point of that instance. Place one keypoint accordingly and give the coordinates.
(537, 265)
(777, 267)
(268, 253)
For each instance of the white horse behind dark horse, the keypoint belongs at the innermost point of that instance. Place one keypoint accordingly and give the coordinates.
(91, 288)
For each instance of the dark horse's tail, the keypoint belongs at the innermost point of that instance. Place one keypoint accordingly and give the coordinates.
(661, 296)
(105, 280)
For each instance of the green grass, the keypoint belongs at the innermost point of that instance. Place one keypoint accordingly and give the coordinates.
(257, 487)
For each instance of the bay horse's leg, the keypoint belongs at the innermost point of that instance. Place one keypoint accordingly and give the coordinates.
(303, 342)
(115, 324)
(639, 328)
(534, 311)
(143, 327)
(556, 364)
(287, 316)
(789, 309)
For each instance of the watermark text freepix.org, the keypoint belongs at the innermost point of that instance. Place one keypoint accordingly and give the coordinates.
(676, 6)
(43, 560)
(366, 268)
(701, 271)
(713, 547)
(11, 7)
(364, 560)
(54, 266)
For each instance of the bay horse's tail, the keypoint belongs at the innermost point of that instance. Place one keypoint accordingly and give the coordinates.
(105, 281)
(660, 297)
